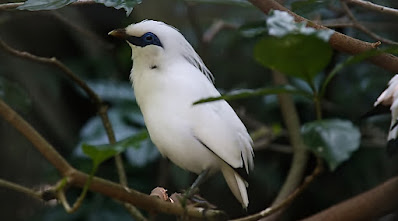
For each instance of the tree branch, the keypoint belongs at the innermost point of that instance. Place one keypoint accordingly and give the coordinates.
(366, 206)
(46, 149)
(21, 189)
(292, 123)
(141, 200)
(300, 153)
(361, 27)
(338, 40)
(108, 188)
(53, 61)
(374, 7)
(102, 108)
(288, 200)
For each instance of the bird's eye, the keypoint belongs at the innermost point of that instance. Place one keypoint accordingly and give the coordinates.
(149, 38)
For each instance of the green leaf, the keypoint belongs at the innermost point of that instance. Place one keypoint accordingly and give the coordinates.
(353, 60)
(334, 140)
(36, 5)
(245, 93)
(296, 55)
(127, 5)
(100, 153)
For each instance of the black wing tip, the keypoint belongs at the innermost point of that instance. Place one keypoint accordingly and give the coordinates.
(377, 110)
(242, 173)
(241, 170)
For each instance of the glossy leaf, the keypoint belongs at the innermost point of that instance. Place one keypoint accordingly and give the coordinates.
(100, 153)
(333, 140)
(36, 5)
(127, 5)
(296, 55)
(245, 93)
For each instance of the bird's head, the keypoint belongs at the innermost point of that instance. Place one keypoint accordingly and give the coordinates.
(156, 40)
(145, 35)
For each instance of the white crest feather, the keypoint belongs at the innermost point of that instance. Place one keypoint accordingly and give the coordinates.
(173, 41)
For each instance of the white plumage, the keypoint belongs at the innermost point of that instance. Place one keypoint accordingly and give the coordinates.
(168, 76)
(389, 97)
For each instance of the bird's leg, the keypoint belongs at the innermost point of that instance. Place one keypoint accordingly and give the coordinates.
(195, 186)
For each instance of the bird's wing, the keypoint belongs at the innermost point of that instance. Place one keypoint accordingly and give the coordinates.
(217, 127)
(388, 95)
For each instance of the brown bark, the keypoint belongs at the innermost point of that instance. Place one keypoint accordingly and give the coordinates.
(366, 206)
(338, 40)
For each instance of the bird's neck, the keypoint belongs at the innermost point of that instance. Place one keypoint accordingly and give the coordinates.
(149, 57)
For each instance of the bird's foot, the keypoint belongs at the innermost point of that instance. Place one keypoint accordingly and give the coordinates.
(194, 200)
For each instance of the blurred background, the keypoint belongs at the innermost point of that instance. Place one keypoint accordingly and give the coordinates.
(63, 114)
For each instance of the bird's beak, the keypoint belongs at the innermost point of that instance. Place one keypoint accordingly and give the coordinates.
(119, 33)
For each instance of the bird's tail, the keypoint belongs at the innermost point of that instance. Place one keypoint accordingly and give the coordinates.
(392, 145)
(236, 183)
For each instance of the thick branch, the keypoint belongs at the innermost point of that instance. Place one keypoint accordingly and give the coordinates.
(93, 96)
(99, 185)
(46, 149)
(102, 108)
(338, 40)
(367, 206)
(140, 200)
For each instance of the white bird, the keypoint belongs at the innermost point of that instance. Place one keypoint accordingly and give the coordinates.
(389, 97)
(168, 76)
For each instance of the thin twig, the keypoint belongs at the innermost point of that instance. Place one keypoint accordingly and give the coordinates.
(105, 187)
(85, 33)
(300, 153)
(21, 189)
(288, 200)
(93, 96)
(359, 26)
(53, 61)
(9, 6)
(374, 7)
(215, 28)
